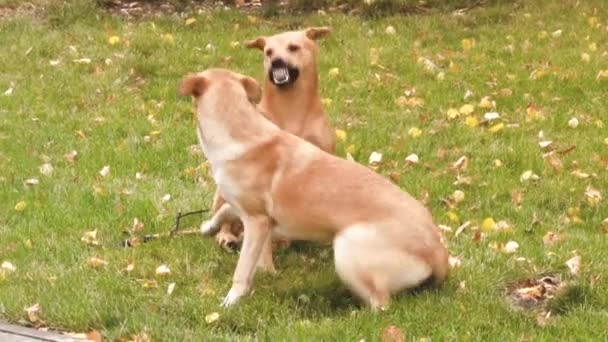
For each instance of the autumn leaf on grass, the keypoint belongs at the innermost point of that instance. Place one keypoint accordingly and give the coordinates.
(341, 135)
(454, 262)
(593, 196)
(33, 315)
(375, 158)
(93, 336)
(46, 169)
(163, 270)
(70, 157)
(412, 159)
(170, 288)
(467, 109)
(90, 238)
(20, 206)
(212, 317)
(528, 176)
(414, 132)
(453, 113)
(96, 262)
(574, 264)
(552, 238)
(392, 334)
(190, 21)
(113, 40)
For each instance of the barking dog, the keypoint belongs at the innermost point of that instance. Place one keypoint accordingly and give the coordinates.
(291, 100)
(276, 182)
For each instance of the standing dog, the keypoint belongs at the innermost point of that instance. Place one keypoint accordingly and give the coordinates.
(276, 182)
(290, 100)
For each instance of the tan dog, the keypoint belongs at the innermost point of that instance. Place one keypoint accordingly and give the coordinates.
(290, 100)
(276, 182)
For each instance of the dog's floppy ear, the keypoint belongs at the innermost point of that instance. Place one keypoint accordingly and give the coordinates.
(252, 88)
(257, 43)
(315, 33)
(192, 85)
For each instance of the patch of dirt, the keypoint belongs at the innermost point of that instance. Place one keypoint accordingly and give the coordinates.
(531, 294)
(18, 10)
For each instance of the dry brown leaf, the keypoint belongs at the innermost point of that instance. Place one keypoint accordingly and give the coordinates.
(552, 238)
(392, 334)
(516, 197)
(96, 262)
(574, 264)
(553, 160)
(461, 164)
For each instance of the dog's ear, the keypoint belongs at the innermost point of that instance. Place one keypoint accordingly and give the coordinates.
(192, 85)
(257, 43)
(315, 33)
(252, 88)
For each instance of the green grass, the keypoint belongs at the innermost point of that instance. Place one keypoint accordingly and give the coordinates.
(305, 300)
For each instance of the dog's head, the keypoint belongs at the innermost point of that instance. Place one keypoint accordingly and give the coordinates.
(289, 54)
(225, 82)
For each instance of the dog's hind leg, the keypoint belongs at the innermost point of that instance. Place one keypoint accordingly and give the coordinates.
(373, 267)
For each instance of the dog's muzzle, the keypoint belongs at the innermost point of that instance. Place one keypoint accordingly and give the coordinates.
(281, 74)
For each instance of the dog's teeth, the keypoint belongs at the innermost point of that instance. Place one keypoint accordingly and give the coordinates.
(280, 76)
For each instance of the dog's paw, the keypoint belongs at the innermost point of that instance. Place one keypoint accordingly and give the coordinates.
(208, 228)
(232, 297)
(227, 241)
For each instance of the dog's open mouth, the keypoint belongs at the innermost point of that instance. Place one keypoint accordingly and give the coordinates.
(281, 74)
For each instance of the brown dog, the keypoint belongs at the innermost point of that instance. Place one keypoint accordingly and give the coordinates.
(276, 182)
(290, 100)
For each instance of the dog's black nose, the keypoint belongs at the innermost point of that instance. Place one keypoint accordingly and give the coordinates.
(278, 63)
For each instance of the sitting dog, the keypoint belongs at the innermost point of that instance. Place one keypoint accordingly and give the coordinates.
(276, 182)
(290, 100)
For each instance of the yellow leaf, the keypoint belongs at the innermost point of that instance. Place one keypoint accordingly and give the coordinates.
(113, 40)
(488, 224)
(96, 262)
(167, 38)
(585, 57)
(467, 44)
(333, 72)
(593, 47)
(598, 123)
(414, 132)
(351, 149)
(453, 113)
(212, 317)
(471, 121)
(497, 162)
(252, 19)
(466, 109)
(190, 21)
(486, 102)
(606, 141)
(496, 128)
(452, 216)
(20, 206)
(341, 135)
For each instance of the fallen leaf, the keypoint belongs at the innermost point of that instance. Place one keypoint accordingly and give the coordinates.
(105, 171)
(390, 30)
(497, 162)
(528, 176)
(489, 116)
(163, 270)
(166, 198)
(333, 72)
(488, 225)
(54, 62)
(461, 164)
(579, 174)
(70, 157)
(453, 113)
(96, 262)
(46, 169)
(545, 144)
(190, 21)
(556, 34)
(573, 123)
(454, 262)
(511, 247)
(593, 196)
(130, 267)
(9, 90)
(8, 266)
(462, 228)
(458, 196)
(552, 238)
(31, 181)
(412, 159)
(467, 44)
(486, 102)
(90, 238)
(516, 197)
(585, 57)
(496, 128)
(574, 264)
(392, 334)
(341, 135)
(82, 61)
(33, 314)
(375, 158)
(170, 288)
(113, 40)
(93, 336)
(471, 121)
(137, 225)
(553, 159)
(20, 206)
(466, 109)
(414, 132)
(212, 317)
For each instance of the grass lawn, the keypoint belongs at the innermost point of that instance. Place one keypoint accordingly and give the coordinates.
(538, 64)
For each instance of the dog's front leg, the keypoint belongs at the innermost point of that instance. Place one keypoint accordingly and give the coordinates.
(257, 233)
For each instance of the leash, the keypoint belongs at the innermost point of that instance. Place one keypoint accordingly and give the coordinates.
(134, 240)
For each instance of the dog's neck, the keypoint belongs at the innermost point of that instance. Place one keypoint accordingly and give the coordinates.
(302, 98)
(228, 127)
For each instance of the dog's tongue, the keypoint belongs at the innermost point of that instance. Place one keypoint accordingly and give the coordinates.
(280, 75)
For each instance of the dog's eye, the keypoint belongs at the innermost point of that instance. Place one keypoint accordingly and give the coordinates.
(269, 52)
(293, 48)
